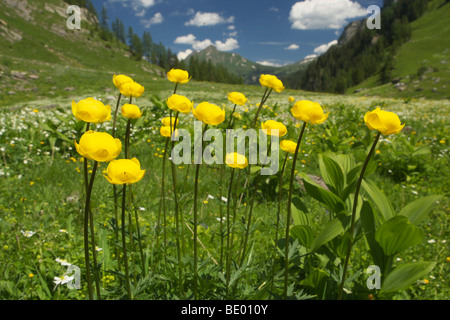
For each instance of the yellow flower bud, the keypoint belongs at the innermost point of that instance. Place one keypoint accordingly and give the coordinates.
(236, 160)
(384, 121)
(288, 146)
(132, 89)
(209, 113)
(270, 125)
(121, 79)
(237, 98)
(131, 111)
(291, 99)
(272, 82)
(166, 131)
(179, 103)
(91, 110)
(167, 121)
(98, 146)
(309, 111)
(124, 171)
(178, 76)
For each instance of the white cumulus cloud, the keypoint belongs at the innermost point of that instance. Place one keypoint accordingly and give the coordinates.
(324, 47)
(156, 19)
(324, 14)
(293, 47)
(198, 45)
(183, 54)
(228, 45)
(202, 19)
(269, 63)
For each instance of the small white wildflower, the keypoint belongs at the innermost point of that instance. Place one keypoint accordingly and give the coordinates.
(141, 208)
(27, 233)
(224, 199)
(210, 196)
(63, 262)
(62, 280)
(98, 249)
(431, 241)
(414, 192)
(63, 230)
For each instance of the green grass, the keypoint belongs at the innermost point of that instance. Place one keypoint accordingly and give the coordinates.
(422, 63)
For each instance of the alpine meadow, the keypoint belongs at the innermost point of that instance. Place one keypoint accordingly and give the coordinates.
(130, 172)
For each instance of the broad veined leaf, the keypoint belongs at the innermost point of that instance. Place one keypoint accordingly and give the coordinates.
(303, 233)
(369, 224)
(329, 231)
(403, 276)
(320, 194)
(418, 210)
(379, 198)
(397, 234)
(331, 173)
(299, 212)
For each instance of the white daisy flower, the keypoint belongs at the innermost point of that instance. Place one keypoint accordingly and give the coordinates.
(63, 262)
(62, 280)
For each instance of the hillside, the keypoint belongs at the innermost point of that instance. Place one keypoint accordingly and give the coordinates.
(422, 65)
(248, 70)
(403, 58)
(41, 58)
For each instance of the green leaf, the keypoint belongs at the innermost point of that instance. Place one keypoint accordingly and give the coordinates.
(299, 212)
(398, 234)
(421, 151)
(303, 233)
(320, 194)
(316, 279)
(403, 276)
(369, 224)
(418, 210)
(379, 198)
(329, 231)
(331, 173)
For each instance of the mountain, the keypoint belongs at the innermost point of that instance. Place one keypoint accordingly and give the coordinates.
(408, 57)
(41, 58)
(248, 70)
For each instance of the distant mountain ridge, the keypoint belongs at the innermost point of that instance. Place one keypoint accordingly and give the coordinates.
(243, 67)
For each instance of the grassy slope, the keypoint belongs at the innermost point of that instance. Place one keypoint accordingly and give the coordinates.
(429, 48)
(64, 60)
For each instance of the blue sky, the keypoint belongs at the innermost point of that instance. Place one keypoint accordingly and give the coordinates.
(265, 31)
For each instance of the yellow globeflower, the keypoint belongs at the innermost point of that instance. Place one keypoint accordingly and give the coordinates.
(384, 121)
(237, 98)
(272, 82)
(169, 122)
(131, 111)
(236, 160)
(237, 115)
(270, 125)
(91, 110)
(178, 76)
(131, 89)
(288, 146)
(291, 99)
(121, 79)
(309, 111)
(124, 171)
(165, 131)
(98, 146)
(209, 113)
(179, 103)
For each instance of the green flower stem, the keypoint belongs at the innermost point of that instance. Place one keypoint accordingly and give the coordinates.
(162, 202)
(197, 169)
(221, 213)
(94, 251)
(178, 217)
(138, 230)
(116, 211)
(280, 186)
(231, 117)
(115, 116)
(352, 224)
(127, 140)
(228, 255)
(263, 100)
(124, 244)
(288, 218)
(87, 209)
